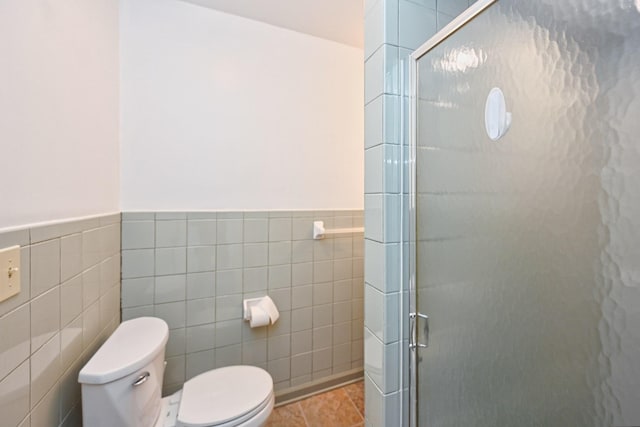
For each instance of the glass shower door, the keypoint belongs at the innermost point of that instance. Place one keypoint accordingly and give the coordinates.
(527, 217)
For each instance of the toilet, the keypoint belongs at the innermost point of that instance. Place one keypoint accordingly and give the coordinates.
(122, 386)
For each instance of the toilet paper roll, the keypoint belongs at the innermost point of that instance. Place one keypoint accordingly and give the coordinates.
(259, 317)
(270, 308)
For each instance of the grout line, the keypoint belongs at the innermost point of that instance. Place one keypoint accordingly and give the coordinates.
(354, 403)
(304, 417)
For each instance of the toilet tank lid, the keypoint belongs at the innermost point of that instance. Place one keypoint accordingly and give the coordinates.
(133, 344)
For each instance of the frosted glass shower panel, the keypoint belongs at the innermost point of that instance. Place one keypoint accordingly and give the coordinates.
(528, 245)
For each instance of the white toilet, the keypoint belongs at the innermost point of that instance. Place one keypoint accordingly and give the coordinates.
(122, 384)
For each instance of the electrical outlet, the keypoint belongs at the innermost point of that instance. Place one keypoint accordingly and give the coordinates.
(9, 272)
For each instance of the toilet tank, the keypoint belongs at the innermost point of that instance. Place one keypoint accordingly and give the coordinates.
(122, 383)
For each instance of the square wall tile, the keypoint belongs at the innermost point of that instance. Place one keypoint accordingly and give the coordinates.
(342, 355)
(71, 300)
(201, 258)
(45, 317)
(301, 365)
(229, 256)
(302, 251)
(200, 338)
(301, 342)
(453, 7)
(382, 362)
(228, 332)
(342, 269)
(91, 247)
(322, 271)
(279, 347)
(15, 335)
(322, 337)
(383, 409)
(256, 255)
(322, 315)
(381, 73)
(228, 307)
(228, 282)
(279, 276)
(256, 230)
(201, 311)
(382, 267)
(45, 369)
(47, 411)
(301, 319)
(45, 266)
(381, 26)
(322, 293)
(281, 298)
(255, 279)
(254, 352)
(201, 285)
(343, 247)
(279, 229)
(280, 369)
(302, 274)
(170, 261)
(302, 229)
(301, 296)
(322, 359)
(342, 334)
(90, 286)
(170, 288)
(418, 24)
(229, 231)
(174, 313)
(201, 232)
(342, 291)
(323, 250)
(70, 256)
(14, 395)
(138, 234)
(373, 130)
(280, 253)
(138, 263)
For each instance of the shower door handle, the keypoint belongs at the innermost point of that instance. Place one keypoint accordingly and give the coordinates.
(414, 342)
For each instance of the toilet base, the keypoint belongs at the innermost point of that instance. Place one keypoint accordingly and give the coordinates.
(169, 413)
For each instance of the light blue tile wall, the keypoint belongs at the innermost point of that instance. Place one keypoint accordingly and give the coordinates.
(393, 29)
(194, 269)
(68, 305)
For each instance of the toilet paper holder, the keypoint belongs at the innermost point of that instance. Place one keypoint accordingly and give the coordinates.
(247, 304)
(260, 311)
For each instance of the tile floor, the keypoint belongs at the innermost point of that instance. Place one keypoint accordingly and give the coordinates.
(341, 407)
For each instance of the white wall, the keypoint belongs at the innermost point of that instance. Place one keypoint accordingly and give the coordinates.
(58, 109)
(221, 112)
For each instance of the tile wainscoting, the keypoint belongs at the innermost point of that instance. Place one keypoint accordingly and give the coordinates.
(67, 307)
(194, 269)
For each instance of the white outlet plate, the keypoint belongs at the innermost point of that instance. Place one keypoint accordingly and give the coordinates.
(9, 279)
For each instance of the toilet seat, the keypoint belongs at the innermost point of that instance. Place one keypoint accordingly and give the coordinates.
(225, 397)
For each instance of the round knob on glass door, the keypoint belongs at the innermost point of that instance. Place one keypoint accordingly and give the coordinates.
(497, 119)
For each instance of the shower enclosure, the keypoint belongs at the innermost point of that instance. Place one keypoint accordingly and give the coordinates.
(525, 207)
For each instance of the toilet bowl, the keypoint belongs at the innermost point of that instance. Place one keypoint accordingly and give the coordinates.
(122, 384)
(246, 399)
